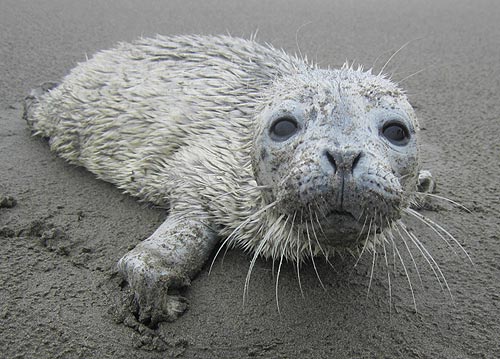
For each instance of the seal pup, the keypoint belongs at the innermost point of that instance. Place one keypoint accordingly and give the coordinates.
(244, 143)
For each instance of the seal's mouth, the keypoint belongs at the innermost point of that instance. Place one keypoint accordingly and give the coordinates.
(341, 213)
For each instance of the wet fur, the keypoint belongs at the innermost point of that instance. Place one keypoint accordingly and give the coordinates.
(176, 121)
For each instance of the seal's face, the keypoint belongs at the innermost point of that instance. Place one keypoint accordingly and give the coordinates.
(337, 150)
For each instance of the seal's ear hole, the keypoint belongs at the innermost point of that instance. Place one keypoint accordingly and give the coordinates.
(396, 133)
(283, 128)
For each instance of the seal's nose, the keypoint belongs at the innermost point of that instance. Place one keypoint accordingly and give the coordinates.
(343, 161)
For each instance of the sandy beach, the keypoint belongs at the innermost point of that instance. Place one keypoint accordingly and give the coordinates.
(62, 230)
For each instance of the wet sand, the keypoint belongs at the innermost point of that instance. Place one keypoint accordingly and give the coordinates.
(65, 231)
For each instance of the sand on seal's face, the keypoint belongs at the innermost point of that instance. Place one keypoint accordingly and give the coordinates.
(339, 169)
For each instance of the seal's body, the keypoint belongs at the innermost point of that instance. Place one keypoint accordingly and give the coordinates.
(243, 142)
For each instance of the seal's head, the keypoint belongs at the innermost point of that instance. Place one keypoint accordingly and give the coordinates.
(336, 150)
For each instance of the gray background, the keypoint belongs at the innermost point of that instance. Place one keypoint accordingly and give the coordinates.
(57, 289)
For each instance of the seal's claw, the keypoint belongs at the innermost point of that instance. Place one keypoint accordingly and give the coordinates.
(151, 309)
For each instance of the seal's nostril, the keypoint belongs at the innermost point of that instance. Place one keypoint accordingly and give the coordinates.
(330, 158)
(343, 161)
(355, 161)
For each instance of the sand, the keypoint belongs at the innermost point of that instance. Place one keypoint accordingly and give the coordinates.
(61, 237)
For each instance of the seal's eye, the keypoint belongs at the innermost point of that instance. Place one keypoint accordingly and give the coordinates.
(396, 133)
(283, 128)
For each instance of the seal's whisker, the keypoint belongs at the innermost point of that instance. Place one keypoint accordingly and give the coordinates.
(286, 178)
(361, 216)
(383, 240)
(375, 62)
(431, 265)
(315, 203)
(297, 39)
(366, 242)
(278, 276)
(250, 268)
(398, 224)
(417, 241)
(444, 199)
(389, 231)
(414, 74)
(281, 231)
(406, 272)
(392, 56)
(325, 254)
(316, 237)
(319, 225)
(438, 233)
(406, 176)
(362, 228)
(284, 247)
(374, 256)
(312, 257)
(299, 259)
(319, 208)
(381, 216)
(237, 229)
(298, 255)
(419, 244)
(269, 234)
(324, 235)
(431, 223)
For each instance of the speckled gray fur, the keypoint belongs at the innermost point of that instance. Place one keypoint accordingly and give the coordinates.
(185, 121)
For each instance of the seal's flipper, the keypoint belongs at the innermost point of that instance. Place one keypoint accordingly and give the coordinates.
(426, 183)
(33, 98)
(425, 187)
(163, 263)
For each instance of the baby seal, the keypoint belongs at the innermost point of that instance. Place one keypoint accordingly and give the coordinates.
(244, 143)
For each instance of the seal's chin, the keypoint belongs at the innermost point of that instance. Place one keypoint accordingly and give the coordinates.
(342, 229)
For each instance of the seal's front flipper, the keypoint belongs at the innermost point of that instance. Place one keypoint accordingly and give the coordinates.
(426, 183)
(165, 263)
